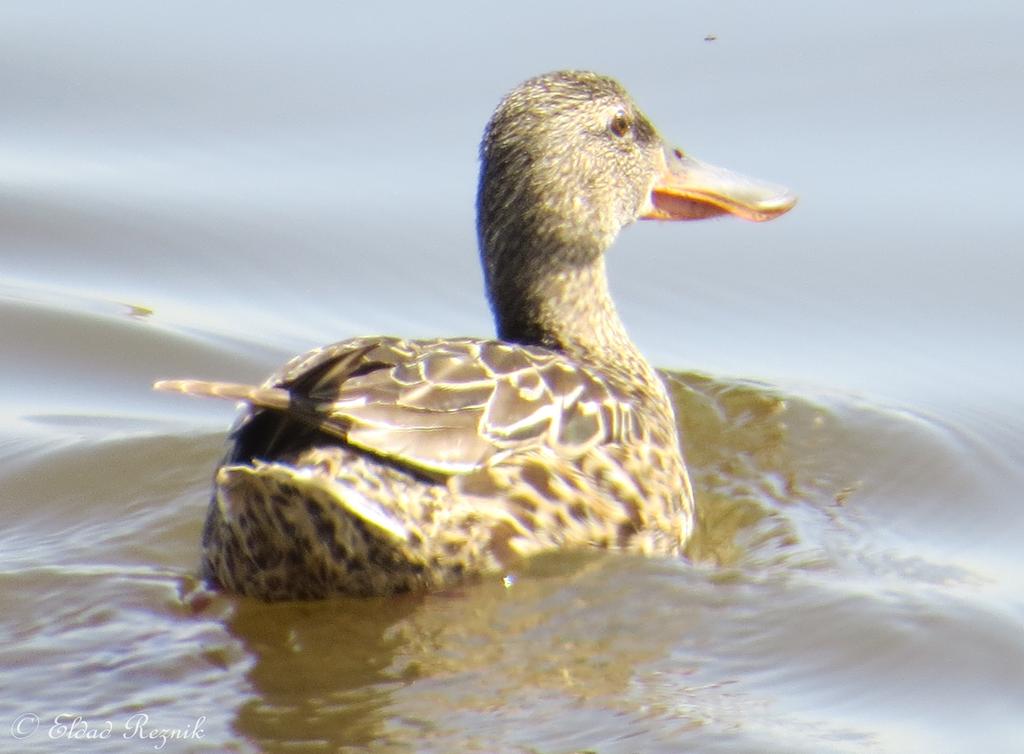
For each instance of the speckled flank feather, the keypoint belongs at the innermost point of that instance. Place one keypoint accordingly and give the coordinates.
(379, 465)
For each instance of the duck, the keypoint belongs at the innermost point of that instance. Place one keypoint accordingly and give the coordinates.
(380, 465)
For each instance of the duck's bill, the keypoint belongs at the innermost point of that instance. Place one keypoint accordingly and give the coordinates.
(688, 189)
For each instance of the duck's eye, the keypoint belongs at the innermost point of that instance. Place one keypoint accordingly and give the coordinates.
(620, 124)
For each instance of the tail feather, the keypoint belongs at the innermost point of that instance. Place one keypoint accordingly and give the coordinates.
(263, 397)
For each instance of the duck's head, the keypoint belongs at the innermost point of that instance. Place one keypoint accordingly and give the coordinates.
(568, 160)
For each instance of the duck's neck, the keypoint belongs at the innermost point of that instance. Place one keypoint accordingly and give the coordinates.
(560, 300)
(567, 309)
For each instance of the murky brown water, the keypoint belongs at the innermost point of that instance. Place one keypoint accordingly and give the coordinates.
(193, 193)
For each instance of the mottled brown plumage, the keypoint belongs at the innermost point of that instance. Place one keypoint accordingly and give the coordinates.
(380, 465)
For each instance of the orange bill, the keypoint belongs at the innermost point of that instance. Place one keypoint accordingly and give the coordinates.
(688, 189)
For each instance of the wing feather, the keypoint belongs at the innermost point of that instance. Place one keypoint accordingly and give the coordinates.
(443, 406)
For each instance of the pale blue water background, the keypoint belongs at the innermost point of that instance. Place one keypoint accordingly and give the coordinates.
(204, 189)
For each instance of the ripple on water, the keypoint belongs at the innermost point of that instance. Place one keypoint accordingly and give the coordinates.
(832, 600)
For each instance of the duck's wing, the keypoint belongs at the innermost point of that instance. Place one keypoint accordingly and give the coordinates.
(443, 406)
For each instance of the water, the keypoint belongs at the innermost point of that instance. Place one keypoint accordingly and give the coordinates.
(204, 190)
